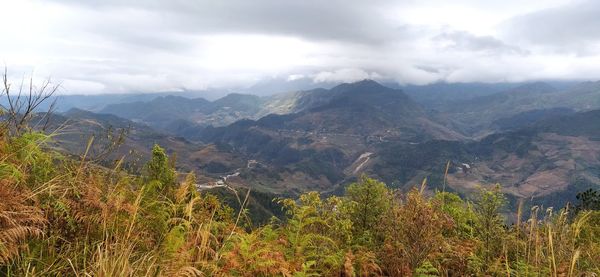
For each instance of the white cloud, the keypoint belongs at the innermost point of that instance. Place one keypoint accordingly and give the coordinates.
(345, 75)
(74, 86)
(120, 46)
(294, 77)
(570, 28)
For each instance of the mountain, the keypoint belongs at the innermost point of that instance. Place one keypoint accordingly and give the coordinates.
(553, 155)
(363, 108)
(277, 85)
(367, 99)
(72, 130)
(472, 109)
(440, 95)
(437, 95)
(97, 102)
(160, 111)
(166, 111)
(176, 114)
(550, 160)
(528, 118)
(116, 138)
(324, 136)
(583, 96)
(529, 138)
(481, 116)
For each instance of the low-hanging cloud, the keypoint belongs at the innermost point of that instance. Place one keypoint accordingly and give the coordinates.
(344, 75)
(464, 41)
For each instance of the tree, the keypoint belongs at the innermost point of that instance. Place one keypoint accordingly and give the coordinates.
(413, 230)
(461, 213)
(369, 201)
(489, 221)
(22, 107)
(159, 170)
(159, 192)
(588, 200)
(311, 231)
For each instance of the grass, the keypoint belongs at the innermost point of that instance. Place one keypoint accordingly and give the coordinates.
(72, 217)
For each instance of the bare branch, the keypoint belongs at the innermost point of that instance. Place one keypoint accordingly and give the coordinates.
(23, 106)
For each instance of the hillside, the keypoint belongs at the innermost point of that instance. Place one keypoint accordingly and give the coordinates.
(545, 158)
(160, 112)
(116, 138)
(480, 115)
(320, 139)
(439, 95)
(364, 108)
(178, 114)
(312, 139)
(318, 146)
(542, 161)
(165, 112)
(70, 216)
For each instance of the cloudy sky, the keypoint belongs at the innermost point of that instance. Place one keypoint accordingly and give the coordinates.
(108, 46)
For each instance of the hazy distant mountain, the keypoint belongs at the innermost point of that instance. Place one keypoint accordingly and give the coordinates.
(176, 113)
(583, 96)
(441, 95)
(160, 111)
(478, 116)
(164, 112)
(364, 108)
(266, 87)
(470, 108)
(88, 102)
(436, 95)
(528, 118)
(97, 102)
(274, 86)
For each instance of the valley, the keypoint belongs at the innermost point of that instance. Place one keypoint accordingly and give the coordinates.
(525, 138)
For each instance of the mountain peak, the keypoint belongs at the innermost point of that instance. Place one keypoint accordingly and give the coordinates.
(77, 112)
(366, 84)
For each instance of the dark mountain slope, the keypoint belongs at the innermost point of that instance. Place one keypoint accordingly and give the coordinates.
(163, 112)
(528, 118)
(480, 116)
(334, 131)
(74, 128)
(539, 161)
(580, 124)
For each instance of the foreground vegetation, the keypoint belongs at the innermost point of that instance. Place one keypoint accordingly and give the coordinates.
(63, 216)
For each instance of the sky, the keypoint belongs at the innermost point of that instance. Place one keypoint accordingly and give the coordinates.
(116, 46)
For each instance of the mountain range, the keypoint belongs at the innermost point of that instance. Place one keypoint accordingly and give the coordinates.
(538, 140)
